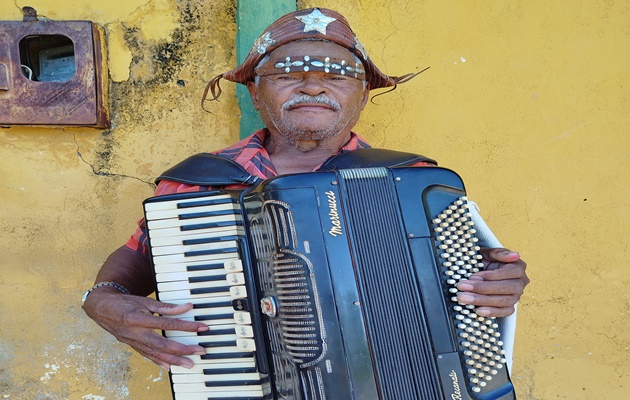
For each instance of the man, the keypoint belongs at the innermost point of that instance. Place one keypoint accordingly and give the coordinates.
(309, 77)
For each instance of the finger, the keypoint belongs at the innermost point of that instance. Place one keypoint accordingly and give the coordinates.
(502, 287)
(159, 307)
(495, 311)
(515, 270)
(500, 254)
(158, 348)
(165, 361)
(494, 301)
(156, 322)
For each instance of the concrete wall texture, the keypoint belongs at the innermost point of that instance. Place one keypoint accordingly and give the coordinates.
(528, 100)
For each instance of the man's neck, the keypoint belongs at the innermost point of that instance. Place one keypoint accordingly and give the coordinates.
(301, 156)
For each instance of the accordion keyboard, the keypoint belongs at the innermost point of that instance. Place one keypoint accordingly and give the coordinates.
(195, 254)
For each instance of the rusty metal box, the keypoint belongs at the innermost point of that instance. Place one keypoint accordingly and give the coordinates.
(69, 86)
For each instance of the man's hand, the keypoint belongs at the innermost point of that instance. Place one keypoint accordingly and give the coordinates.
(132, 320)
(496, 289)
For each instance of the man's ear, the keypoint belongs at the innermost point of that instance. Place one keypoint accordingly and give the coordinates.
(366, 96)
(253, 93)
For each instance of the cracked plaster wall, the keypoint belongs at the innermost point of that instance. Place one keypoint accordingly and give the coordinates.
(525, 99)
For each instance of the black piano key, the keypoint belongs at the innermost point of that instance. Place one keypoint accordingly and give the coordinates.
(225, 303)
(205, 267)
(213, 331)
(223, 356)
(210, 225)
(240, 304)
(234, 383)
(210, 240)
(210, 290)
(213, 317)
(217, 213)
(210, 252)
(224, 343)
(212, 278)
(233, 370)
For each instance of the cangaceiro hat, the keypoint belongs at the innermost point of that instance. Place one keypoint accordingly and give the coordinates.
(312, 23)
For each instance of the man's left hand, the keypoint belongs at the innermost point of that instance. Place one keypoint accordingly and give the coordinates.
(496, 289)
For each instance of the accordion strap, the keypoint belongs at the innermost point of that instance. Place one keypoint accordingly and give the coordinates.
(369, 158)
(205, 169)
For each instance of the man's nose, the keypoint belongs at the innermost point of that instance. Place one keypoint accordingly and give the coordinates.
(312, 85)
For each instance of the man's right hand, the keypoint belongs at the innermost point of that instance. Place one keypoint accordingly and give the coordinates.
(133, 320)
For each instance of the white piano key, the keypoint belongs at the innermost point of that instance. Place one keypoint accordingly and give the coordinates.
(175, 335)
(183, 285)
(180, 248)
(168, 297)
(238, 292)
(184, 275)
(198, 369)
(177, 212)
(180, 258)
(172, 222)
(223, 394)
(244, 331)
(228, 280)
(192, 235)
(246, 344)
(223, 391)
(201, 378)
(205, 311)
(174, 204)
(195, 265)
(188, 340)
(242, 317)
(243, 358)
(201, 300)
(178, 232)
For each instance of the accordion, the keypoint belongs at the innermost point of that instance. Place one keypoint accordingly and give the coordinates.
(328, 285)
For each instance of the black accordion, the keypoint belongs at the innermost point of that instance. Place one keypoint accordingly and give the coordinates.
(328, 285)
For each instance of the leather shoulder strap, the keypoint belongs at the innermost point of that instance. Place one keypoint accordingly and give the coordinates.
(371, 157)
(205, 169)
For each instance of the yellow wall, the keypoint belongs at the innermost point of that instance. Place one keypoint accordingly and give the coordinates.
(527, 100)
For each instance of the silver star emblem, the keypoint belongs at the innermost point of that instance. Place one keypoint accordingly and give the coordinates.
(261, 44)
(315, 21)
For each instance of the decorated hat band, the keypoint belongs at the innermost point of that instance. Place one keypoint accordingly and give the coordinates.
(329, 65)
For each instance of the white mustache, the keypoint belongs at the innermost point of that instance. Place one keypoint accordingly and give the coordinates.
(304, 98)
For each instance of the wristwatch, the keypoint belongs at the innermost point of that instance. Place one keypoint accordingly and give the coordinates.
(118, 286)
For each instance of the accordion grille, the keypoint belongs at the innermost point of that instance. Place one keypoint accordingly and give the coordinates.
(395, 324)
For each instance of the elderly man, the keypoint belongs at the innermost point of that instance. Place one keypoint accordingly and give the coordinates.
(310, 78)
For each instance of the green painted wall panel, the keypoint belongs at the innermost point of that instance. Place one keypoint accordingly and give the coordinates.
(252, 18)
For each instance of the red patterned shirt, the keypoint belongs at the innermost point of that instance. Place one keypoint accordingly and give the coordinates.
(251, 155)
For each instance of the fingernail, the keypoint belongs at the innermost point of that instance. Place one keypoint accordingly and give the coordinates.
(465, 298)
(465, 287)
(203, 328)
(200, 352)
(484, 312)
